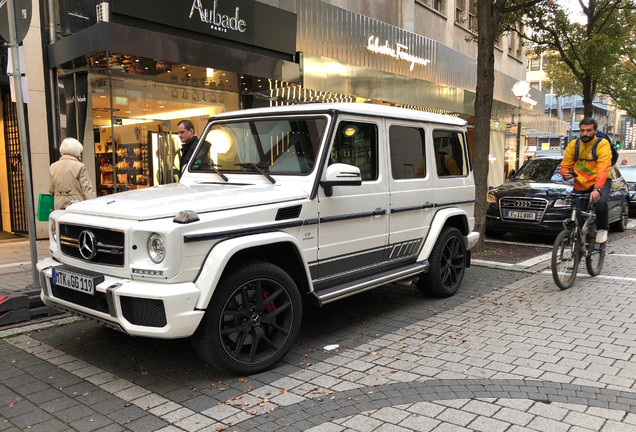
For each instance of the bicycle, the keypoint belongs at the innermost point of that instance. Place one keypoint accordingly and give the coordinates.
(577, 240)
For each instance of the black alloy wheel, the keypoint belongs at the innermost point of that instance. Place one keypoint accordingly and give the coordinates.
(252, 320)
(448, 265)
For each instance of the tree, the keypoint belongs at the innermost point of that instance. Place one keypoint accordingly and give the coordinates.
(619, 82)
(494, 17)
(588, 52)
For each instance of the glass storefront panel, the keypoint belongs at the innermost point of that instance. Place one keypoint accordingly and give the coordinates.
(143, 120)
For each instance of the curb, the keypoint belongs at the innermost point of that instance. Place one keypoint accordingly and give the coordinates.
(26, 306)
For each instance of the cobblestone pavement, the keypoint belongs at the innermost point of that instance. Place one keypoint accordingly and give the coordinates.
(510, 352)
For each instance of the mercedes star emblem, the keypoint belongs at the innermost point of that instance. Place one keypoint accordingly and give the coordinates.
(87, 245)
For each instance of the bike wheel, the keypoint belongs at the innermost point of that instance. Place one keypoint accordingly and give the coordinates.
(595, 258)
(565, 259)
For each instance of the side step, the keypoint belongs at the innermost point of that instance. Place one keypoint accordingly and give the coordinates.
(345, 290)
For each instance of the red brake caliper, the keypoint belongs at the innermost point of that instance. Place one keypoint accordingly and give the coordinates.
(271, 307)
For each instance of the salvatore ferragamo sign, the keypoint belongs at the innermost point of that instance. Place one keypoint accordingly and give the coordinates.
(397, 51)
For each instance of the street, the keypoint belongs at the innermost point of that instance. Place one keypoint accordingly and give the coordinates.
(509, 352)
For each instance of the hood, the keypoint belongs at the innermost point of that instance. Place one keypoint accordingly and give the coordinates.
(535, 189)
(167, 200)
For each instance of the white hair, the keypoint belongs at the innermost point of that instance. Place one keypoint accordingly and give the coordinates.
(71, 146)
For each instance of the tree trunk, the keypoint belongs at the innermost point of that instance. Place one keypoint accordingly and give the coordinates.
(488, 23)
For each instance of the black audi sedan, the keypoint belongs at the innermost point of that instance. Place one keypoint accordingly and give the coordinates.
(629, 174)
(535, 200)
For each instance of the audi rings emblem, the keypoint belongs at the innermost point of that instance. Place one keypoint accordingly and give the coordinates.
(524, 204)
(87, 245)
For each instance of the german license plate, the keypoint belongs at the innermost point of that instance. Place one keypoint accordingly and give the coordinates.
(525, 215)
(75, 281)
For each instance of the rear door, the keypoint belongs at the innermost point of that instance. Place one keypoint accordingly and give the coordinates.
(412, 194)
(353, 222)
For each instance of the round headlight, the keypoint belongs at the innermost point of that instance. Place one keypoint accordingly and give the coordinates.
(156, 248)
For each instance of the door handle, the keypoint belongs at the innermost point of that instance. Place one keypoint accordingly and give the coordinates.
(379, 212)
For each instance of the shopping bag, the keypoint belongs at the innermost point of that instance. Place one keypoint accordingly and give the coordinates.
(45, 206)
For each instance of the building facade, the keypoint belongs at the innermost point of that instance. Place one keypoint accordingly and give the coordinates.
(124, 73)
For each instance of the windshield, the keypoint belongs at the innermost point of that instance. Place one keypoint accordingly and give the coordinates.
(540, 170)
(269, 145)
(629, 174)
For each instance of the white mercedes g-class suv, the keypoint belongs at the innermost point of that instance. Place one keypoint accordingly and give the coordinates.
(277, 206)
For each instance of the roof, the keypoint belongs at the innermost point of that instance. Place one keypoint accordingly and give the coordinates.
(351, 108)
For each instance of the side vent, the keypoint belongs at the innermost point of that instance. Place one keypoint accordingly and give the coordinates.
(288, 213)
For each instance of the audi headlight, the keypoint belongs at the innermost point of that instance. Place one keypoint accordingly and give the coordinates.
(563, 202)
(491, 198)
(156, 248)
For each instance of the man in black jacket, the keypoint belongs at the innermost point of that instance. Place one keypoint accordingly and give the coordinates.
(189, 141)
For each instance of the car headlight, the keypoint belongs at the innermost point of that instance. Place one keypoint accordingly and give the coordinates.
(156, 248)
(491, 198)
(53, 229)
(563, 202)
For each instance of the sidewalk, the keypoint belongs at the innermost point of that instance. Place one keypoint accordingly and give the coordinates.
(19, 299)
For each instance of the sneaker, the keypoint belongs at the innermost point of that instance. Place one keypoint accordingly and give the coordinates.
(601, 236)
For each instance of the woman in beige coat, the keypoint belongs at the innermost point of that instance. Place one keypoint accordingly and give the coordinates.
(69, 176)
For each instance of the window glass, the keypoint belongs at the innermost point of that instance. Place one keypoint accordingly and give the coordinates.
(450, 153)
(356, 143)
(275, 146)
(535, 63)
(407, 152)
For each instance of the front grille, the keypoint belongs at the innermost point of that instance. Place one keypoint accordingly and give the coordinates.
(96, 302)
(109, 244)
(143, 312)
(521, 204)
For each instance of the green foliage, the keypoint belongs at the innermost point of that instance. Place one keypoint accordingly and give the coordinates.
(589, 57)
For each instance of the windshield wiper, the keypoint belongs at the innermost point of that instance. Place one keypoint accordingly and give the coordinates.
(219, 173)
(258, 168)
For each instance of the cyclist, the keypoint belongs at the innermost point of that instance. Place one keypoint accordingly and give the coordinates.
(590, 174)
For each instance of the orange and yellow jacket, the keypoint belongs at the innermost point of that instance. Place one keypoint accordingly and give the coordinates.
(589, 173)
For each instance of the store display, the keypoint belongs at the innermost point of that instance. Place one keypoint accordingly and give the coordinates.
(134, 167)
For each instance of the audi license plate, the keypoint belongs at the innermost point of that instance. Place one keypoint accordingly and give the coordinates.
(76, 281)
(525, 215)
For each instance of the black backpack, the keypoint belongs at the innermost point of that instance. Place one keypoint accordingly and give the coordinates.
(599, 136)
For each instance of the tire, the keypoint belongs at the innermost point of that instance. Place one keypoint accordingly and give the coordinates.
(621, 224)
(595, 258)
(565, 251)
(448, 265)
(240, 332)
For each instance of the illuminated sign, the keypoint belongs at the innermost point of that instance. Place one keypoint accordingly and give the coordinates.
(399, 52)
(217, 20)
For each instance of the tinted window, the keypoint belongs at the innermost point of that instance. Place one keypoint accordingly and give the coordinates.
(407, 152)
(450, 153)
(356, 144)
(540, 170)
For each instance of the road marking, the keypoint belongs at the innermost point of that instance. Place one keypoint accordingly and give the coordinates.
(614, 278)
(620, 255)
(15, 264)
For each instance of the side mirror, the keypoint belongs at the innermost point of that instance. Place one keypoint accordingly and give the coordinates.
(340, 175)
(512, 173)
